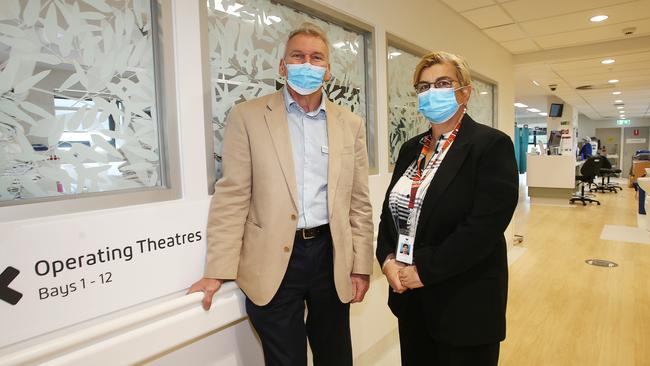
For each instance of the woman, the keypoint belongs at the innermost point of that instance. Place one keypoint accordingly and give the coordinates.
(452, 194)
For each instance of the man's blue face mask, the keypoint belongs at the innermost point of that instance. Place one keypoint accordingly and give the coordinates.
(438, 105)
(305, 78)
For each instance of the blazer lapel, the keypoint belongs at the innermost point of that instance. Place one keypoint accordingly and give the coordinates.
(335, 147)
(275, 116)
(450, 166)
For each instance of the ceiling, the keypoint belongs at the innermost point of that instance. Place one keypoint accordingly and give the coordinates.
(554, 43)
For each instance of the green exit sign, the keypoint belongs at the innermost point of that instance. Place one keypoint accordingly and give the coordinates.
(622, 122)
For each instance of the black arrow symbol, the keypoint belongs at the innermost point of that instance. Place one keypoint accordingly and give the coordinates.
(7, 294)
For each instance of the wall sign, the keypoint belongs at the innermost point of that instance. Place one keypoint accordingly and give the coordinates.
(635, 141)
(60, 271)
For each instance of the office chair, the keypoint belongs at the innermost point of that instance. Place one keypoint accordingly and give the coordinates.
(588, 173)
(607, 171)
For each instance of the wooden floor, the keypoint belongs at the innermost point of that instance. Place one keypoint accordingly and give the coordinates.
(562, 311)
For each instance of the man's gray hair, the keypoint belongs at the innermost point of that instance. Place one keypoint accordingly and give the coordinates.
(310, 29)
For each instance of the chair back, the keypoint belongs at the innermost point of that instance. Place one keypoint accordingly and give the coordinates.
(592, 166)
(605, 164)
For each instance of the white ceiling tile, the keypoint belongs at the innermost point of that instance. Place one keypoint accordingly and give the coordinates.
(520, 46)
(503, 33)
(464, 5)
(586, 36)
(522, 10)
(617, 14)
(491, 16)
(631, 61)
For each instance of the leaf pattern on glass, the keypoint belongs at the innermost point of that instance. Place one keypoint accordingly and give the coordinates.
(246, 44)
(404, 120)
(481, 104)
(77, 98)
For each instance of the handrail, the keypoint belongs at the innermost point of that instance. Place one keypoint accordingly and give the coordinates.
(85, 337)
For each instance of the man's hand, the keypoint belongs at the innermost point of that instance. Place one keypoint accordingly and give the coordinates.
(360, 285)
(208, 286)
(391, 271)
(410, 278)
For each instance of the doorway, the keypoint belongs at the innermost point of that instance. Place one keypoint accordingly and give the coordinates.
(634, 138)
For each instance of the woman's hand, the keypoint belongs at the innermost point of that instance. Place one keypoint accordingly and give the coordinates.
(391, 271)
(410, 278)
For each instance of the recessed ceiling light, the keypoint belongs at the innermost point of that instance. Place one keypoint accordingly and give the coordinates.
(598, 18)
(483, 93)
(619, 107)
(535, 82)
(520, 105)
(622, 116)
(618, 101)
(534, 110)
(621, 112)
(607, 61)
(616, 93)
(613, 81)
(543, 114)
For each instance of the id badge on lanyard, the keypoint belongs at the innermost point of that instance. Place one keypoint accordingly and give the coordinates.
(404, 250)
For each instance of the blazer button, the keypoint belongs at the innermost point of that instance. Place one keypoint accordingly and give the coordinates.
(293, 217)
(286, 249)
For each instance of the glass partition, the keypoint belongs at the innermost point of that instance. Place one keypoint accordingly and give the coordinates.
(78, 91)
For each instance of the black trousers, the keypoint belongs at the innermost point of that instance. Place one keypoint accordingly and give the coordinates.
(419, 348)
(281, 324)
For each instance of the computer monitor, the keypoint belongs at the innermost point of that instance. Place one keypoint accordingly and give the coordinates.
(556, 110)
(554, 139)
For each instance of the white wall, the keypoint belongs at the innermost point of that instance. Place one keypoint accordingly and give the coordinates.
(411, 20)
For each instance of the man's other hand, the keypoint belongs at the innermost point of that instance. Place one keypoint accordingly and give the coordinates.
(360, 285)
(209, 286)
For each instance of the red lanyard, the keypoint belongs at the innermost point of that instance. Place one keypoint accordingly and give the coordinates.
(418, 178)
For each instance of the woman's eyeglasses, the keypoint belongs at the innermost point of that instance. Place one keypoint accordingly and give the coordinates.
(423, 86)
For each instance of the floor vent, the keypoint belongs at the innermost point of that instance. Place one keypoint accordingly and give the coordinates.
(601, 263)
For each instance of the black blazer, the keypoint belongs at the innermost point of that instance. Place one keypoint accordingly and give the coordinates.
(460, 249)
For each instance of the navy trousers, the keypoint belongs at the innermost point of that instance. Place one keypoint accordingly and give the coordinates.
(281, 324)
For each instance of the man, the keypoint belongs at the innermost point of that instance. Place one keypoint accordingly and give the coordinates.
(290, 220)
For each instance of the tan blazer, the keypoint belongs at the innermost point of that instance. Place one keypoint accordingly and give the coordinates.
(253, 214)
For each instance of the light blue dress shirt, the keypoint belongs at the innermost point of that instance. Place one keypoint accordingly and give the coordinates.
(310, 157)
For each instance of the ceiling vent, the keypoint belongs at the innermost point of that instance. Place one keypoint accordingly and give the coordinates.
(595, 87)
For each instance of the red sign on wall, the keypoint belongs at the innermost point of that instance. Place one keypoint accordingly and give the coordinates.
(636, 132)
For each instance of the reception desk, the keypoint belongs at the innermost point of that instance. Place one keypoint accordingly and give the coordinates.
(551, 176)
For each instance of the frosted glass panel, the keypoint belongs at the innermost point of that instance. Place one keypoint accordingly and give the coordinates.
(404, 120)
(246, 43)
(482, 103)
(77, 98)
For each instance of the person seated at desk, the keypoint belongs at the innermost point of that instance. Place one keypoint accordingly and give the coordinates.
(586, 151)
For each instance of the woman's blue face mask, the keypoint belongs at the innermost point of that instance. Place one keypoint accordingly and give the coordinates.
(438, 105)
(305, 78)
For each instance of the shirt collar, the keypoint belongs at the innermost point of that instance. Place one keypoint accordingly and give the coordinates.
(291, 104)
(426, 139)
